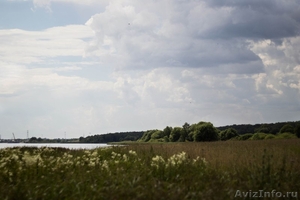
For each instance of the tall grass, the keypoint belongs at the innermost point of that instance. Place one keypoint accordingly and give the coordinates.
(213, 170)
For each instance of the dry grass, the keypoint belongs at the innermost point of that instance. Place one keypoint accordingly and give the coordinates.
(229, 153)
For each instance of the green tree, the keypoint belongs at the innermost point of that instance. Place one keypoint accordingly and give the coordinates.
(175, 134)
(228, 134)
(297, 130)
(191, 130)
(186, 126)
(167, 131)
(245, 136)
(184, 132)
(205, 131)
(157, 134)
(258, 136)
(287, 129)
(147, 135)
(264, 128)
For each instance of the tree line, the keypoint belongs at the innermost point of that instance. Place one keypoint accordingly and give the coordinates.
(205, 131)
(272, 128)
(202, 131)
(112, 137)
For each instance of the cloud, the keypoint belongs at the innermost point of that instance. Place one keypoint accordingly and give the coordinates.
(46, 4)
(34, 46)
(47, 103)
(258, 19)
(133, 37)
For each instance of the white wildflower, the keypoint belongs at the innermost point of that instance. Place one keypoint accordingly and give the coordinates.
(157, 161)
(125, 157)
(94, 154)
(105, 165)
(177, 159)
(113, 155)
(131, 152)
(31, 159)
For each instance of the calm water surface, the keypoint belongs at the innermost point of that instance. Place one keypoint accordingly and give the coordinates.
(66, 145)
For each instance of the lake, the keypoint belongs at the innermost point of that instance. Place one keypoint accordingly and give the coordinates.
(64, 145)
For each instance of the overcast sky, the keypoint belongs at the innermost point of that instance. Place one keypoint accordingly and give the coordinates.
(85, 67)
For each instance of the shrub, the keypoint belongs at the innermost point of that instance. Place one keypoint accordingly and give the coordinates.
(205, 132)
(175, 134)
(157, 134)
(258, 136)
(228, 134)
(270, 136)
(285, 136)
(148, 135)
(244, 136)
(287, 129)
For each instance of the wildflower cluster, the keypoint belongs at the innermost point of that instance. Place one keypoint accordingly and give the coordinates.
(174, 161)
(177, 159)
(157, 162)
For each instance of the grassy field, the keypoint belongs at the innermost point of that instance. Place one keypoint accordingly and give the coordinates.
(215, 170)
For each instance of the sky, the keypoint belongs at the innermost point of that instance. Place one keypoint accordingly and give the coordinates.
(72, 68)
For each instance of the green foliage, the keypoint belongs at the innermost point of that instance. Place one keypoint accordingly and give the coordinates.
(270, 136)
(273, 128)
(175, 134)
(244, 136)
(205, 131)
(258, 136)
(167, 131)
(228, 134)
(157, 134)
(297, 130)
(287, 129)
(186, 126)
(264, 128)
(166, 139)
(285, 136)
(184, 132)
(147, 135)
(113, 137)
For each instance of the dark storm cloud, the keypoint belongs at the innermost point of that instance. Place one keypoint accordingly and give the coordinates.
(258, 20)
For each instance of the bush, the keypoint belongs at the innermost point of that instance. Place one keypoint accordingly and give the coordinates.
(228, 134)
(258, 136)
(205, 132)
(270, 136)
(175, 134)
(287, 129)
(147, 135)
(285, 136)
(157, 134)
(244, 136)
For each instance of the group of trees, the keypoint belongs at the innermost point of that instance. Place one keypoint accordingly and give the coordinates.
(47, 140)
(112, 137)
(272, 128)
(205, 131)
(202, 131)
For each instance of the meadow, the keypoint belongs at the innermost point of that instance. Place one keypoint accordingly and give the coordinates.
(189, 170)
